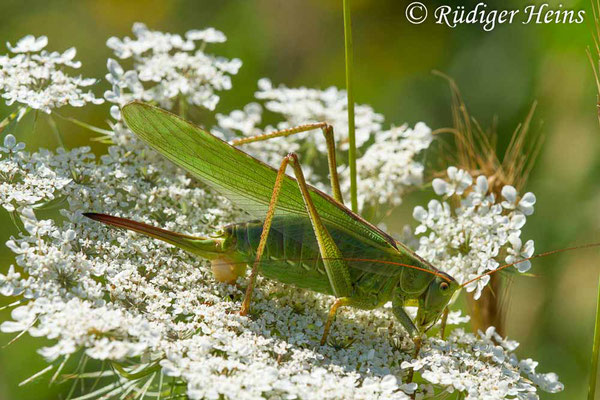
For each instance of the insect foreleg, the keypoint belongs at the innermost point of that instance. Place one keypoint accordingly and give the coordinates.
(405, 320)
(329, 139)
(279, 133)
(408, 324)
(443, 323)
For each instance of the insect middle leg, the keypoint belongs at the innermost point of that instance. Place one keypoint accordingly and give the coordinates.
(329, 140)
(335, 267)
(332, 311)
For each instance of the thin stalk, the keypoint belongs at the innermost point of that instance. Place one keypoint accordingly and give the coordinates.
(182, 107)
(16, 115)
(85, 125)
(160, 385)
(594, 61)
(99, 377)
(595, 349)
(36, 375)
(15, 218)
(35, 120)
(56, 131)
(351, 134)
(59, 370)
(136, 375)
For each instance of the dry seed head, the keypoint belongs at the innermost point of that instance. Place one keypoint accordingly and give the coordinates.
(476, 148)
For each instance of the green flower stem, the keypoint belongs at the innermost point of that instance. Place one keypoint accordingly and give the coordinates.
(136, 375)
(595, 349)
(15, 116)
(182, 107)
(85, 125)
(56, 131)
(351, 134)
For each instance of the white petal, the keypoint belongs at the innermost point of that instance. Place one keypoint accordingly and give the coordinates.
(440, 186)
(482, 184)
(509, 193)
(420, 214)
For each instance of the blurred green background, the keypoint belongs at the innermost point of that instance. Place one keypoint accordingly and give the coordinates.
(300, 42)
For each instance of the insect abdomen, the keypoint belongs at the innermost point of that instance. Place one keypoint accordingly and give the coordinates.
(291, 255)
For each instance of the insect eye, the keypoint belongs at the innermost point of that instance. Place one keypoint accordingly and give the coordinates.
(444, 286)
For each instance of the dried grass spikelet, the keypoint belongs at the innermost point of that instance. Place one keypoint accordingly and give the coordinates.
(476, 152)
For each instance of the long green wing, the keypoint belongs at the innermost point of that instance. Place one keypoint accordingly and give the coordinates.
(244, 180)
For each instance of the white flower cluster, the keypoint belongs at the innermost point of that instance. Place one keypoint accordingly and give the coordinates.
(303, 105)
(168, 68)
(122, 297)
(244, 123)
(37, 78)
(471, 232)
(155, 315)
(389, 166)
(18, 190)
(483, 366)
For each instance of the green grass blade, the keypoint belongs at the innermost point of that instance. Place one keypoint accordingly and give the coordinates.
(348, 45)
(595, 350)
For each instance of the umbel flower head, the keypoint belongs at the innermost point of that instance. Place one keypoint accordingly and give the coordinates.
(305, 105)
(471, 232)
(387, 167)
(390, 166)
(127, 299)
(38, 79)
(168, 67)
(154, 315)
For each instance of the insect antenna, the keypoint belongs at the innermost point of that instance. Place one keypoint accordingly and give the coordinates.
(399, 265)
(547, 253)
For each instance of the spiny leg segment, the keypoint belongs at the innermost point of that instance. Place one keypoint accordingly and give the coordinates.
(332, 311)
(329, 140)
(264, 235)
(335, 267)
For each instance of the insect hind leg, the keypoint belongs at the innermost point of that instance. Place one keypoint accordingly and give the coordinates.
(330, 142)
(335, 267)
